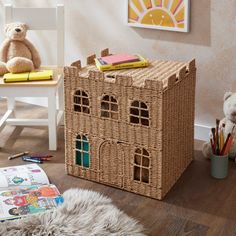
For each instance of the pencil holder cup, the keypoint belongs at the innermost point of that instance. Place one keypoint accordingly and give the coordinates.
(219, 166)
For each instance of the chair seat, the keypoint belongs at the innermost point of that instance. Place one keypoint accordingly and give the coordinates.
(57, 75)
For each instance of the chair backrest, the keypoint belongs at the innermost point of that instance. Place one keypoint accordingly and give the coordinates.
(41, 19)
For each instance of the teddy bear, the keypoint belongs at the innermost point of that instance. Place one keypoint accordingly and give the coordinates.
(229, 120)
(17, 54)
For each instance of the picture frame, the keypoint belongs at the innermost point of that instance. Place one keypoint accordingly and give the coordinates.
(170, 15)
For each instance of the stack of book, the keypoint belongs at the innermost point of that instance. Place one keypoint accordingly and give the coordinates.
(120, 61)
(29, 76)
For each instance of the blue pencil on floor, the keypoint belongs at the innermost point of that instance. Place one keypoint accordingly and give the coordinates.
(34, 160)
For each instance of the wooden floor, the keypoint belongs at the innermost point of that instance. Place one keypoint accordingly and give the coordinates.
(197, 204)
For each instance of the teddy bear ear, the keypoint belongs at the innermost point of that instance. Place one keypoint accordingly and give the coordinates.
(227, 95)
(6, 27)
(25, 26)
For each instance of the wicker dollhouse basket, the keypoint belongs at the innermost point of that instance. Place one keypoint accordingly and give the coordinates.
(132, 129)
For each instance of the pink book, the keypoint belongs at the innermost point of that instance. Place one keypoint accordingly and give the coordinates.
(119, 58)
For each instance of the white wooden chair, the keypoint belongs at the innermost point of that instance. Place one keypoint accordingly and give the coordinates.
(38, 19)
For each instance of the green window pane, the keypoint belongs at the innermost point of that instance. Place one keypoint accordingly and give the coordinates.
(86, 146)
(86, 160)
(78, 158)
(78, 145)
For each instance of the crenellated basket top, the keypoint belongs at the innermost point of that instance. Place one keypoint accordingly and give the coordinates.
(159, 74)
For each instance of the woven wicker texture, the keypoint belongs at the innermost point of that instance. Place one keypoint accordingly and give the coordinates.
(132, 129)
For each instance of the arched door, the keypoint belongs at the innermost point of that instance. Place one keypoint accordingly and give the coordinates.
(111, 163)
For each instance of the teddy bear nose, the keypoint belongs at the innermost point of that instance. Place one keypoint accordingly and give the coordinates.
(18, 30)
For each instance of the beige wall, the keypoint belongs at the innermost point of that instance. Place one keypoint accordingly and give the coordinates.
(95, 24)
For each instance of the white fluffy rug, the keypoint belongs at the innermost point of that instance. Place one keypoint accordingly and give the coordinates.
(83, 213)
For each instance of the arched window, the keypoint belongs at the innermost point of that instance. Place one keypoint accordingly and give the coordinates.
(82, 151)
(109, 107)
(139, 113)
(81, 102)
(141, 165)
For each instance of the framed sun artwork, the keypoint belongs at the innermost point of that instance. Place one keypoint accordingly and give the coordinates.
(173, 15)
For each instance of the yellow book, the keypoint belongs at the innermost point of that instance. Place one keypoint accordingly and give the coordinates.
(29, 76)
(106, 67)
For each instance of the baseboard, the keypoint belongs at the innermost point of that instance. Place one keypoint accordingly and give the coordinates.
(34, 101)
(201, 132)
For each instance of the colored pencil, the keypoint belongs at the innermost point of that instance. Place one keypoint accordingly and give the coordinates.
(26, 158)
(213, 131)
(41, 158)
(219, 145)
(217, 137)
(17, 155)
(228, 145)
(221, 139)
(212, 146)
(225, 144)
(41, 155)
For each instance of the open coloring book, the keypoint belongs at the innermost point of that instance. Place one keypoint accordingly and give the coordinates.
(26, 190)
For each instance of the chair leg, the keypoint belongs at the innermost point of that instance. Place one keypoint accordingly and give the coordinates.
(61, 100)
(9, 113)
(11, 105)
(52, 121)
